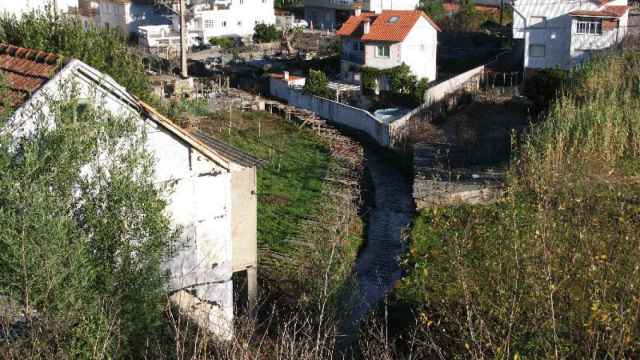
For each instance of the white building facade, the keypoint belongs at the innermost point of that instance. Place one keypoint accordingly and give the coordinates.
(228, 17)
(201, 182)
(19, 7)
(563, 33)
(388, 39)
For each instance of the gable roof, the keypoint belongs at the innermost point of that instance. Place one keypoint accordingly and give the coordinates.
(26, 71)
(382, 29)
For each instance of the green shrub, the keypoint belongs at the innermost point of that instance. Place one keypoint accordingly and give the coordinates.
(83, 240)
(317, 84)
(543, 88)
(224, 42)
(264, 33)
(105, 50)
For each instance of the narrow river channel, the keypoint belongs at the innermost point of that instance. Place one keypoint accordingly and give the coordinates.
(377, 267)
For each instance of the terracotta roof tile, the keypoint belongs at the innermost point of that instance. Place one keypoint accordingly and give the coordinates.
(607, 11)
(24, 71)
(382, 29)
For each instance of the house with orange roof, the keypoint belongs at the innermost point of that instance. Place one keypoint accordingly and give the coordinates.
(388, 39)
(210, 186)
(564, 33)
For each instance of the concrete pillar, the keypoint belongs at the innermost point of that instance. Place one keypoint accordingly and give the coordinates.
(252, 287)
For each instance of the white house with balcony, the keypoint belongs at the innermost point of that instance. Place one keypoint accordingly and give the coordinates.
(563, 33)
(228, 17)
(388, 39)
(331, 14)
(163, 40)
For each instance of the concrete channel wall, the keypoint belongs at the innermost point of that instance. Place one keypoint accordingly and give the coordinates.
(333, 111)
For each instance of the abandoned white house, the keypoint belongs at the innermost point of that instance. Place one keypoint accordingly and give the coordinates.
(563, 33)
(213, 186)
(388, 39)
(331, 14)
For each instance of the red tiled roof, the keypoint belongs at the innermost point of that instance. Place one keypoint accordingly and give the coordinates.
(608, 11)
(23, 71)
(280, 76)
(381, 29)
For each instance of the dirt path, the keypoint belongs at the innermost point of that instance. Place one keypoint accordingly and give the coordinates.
(377, 267)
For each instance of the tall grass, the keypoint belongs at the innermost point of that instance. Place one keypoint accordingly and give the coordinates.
(551, 271)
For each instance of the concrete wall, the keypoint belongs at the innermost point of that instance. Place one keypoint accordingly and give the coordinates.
(372, 59)
(419, 50)
(440, 91)
(198, 190)
(557, 33)
(379, 5)
(244, 214)
(342, 114)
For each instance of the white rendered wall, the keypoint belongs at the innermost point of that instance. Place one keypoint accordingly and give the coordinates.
(419, 50)
(558, 32)
(200, 200)
(379, 5)
(18, 7)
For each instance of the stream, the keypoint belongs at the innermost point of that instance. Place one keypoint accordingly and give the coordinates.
(377, 267)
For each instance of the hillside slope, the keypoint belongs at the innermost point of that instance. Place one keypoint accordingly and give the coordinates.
(552, 270)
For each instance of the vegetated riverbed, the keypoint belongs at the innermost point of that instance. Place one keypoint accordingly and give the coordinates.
(377, 267)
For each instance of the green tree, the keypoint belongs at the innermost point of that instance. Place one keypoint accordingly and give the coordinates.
(83, 236)
(104, 49)
(434, 9)
(317, 84)
(264, 33)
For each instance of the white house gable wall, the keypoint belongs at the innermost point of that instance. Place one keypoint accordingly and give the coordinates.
(419, 50)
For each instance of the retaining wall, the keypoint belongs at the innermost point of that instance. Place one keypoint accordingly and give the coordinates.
(333, 111)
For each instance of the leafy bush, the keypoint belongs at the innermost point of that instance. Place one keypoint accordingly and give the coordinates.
(105, 50)
(83, 239)
(317, 84)
(264, 33)
(551, 271)
(543, 87)
(404, 87)
(225, 42)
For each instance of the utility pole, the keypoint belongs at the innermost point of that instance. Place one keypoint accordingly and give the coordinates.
(183, 40)
(501, 11)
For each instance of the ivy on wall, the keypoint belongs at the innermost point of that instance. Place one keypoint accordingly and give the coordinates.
(404, 87)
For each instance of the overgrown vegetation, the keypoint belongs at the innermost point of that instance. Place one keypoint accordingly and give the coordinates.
(82, 239)
(543, 87)
(551, 271)
(264, 33)
(404, 88)
(224, 42)
(317, 84)
(105, 50)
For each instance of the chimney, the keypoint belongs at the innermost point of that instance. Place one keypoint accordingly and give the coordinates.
(367, 26)
(286, 76)
(357, 11)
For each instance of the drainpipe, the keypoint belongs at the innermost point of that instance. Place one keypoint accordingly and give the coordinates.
(524, 21)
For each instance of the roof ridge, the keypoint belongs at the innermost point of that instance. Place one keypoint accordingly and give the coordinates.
(30, 54)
